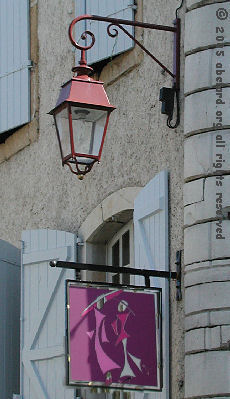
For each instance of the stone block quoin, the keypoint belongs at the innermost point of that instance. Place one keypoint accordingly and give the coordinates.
(207, 255)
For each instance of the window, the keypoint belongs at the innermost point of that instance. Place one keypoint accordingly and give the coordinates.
(15, 65)
(120, 253)
(105, 47)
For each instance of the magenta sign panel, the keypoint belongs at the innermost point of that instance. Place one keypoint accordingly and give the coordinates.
(113, 337)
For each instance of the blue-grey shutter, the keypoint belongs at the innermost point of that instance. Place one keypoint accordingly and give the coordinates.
(43, 314)
(151, 252)
(10, 319)
(105, 46)
(15, 64)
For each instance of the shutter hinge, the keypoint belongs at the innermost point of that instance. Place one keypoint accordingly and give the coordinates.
(28, 64)
(23, 246)
(79, 243)
(132, 6)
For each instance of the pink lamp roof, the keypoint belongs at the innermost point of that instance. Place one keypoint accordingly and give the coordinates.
(84, 92)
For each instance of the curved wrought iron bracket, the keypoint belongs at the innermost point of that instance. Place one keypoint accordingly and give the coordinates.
(118, 23)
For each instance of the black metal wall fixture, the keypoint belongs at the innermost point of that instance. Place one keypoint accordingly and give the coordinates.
(127, 270)
(178, 281)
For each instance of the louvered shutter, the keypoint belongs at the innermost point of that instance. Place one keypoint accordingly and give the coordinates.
(15, 64)
(10, 319)
(43, 314)
(105, 46)
(151, 252)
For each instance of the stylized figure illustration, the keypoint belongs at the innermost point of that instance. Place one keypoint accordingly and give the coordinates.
(100, 337)
(122, 316)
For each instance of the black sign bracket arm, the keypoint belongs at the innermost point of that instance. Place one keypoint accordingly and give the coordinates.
(127, 270)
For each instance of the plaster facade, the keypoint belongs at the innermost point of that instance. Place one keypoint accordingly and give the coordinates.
(37, 193)
(121, 164)
(42, 194)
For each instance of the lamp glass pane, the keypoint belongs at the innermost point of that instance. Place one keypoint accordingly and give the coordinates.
(88, 129)
(62, 121)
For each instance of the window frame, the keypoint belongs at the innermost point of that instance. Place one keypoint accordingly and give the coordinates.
(109, 246)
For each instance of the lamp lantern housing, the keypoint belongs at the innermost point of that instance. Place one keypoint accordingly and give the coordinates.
(81, 117)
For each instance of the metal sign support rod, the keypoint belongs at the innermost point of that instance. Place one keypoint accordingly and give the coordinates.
(125, 270)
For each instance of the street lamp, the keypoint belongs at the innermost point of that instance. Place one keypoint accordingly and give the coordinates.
(82, 112)
(81, 117)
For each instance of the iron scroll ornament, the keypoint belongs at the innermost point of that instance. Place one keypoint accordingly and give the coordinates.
(113, 32)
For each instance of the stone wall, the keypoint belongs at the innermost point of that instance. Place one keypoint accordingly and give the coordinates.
(207, 199)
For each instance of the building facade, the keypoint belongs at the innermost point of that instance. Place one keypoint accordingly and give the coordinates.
(156, 191)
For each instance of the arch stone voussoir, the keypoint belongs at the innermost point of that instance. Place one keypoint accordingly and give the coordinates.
(115, 209)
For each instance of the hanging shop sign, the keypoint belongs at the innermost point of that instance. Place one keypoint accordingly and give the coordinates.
(114, 337)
